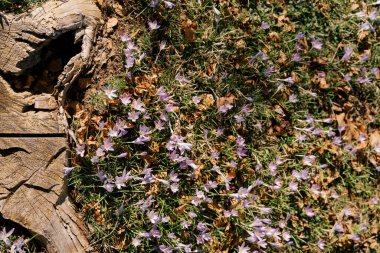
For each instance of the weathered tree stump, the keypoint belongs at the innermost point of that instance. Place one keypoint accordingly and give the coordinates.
(33, 190)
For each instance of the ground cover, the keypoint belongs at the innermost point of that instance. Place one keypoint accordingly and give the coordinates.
(233, 126)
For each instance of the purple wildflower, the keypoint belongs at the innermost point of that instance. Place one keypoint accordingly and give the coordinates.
(269, 71)
(317, 43)
(134, 115)
(169, 5)
(130, 62)
(153, 217)
(109, 186)
(293, 186)
(100, 152)
(185, 224)
(225, 107)
(120, 181)
(300, 36)
(241, 153)
(108, 145)
(196, 100)
(321, 244)
(180, 78)
(162, 45)
(110, 92)
(296, 57)
(153, 25)
(80, 149)
(243, 249)
(4, 236)
(347, 53)
(309, 211)
(165, 249)
(338, 228)
(67, 171)
(155, 233)
(308, 160)
(265, 25)
(337, 141)
(125, 99)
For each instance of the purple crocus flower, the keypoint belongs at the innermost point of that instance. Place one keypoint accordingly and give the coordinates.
(225, 107)
(4, 236)
(241, 153)
(338, 228)
(165, 249)
(100, 152)
(265, 25)
(120, 181)
(317, 43)
(124, 37)
(243, 249)
(125, 99)
(180, 78)
(153, 25)
(138, 105)
(300, 36)
(153, 217)
(162, 45)
(108, 145)
(308, 160)
(155, 233)
(185, 224)
(347, 53)
(337, 141)
(136, 242)
(269, 71)
(169, 5)
(110, 92)
(293, 186)
(154, 3)
(80, 149)
(296, 57)
(133, 115)
(293, 98)
(309, 211)
(321, 244)
(109, 186)
(163, 96)
(67, 170)
(196, 100)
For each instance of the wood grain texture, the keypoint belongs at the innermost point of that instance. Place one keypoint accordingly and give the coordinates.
(15, 119)
(23, 37)
(33, 192)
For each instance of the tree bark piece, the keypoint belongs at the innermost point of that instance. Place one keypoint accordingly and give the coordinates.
(33, 190)
(18, 114)
(23, 37)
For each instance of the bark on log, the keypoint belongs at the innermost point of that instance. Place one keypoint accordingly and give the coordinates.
(32, 148)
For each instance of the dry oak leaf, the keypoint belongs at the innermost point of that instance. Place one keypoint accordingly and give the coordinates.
(111, 23)
(374, 138)
(206, 102)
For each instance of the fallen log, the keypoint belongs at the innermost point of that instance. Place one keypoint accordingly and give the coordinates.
(33, 189)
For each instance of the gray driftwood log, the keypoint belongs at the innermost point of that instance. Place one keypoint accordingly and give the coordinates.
(32, 143)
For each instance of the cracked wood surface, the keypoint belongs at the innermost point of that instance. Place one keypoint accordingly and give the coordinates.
(15, 119)
(33, 190)
(22, 37)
